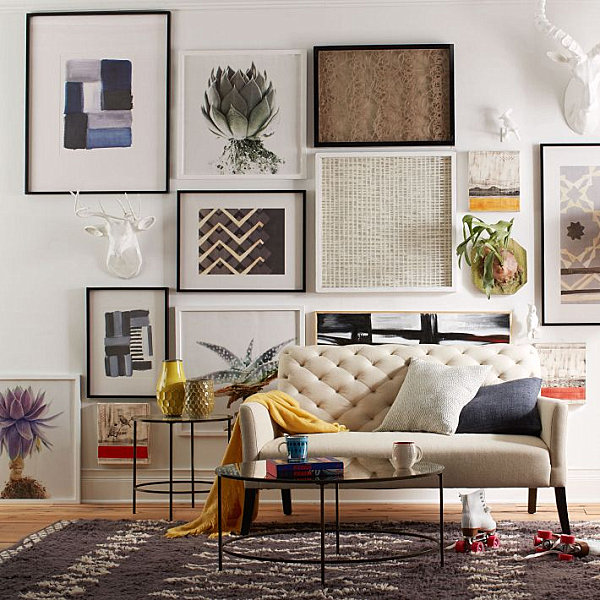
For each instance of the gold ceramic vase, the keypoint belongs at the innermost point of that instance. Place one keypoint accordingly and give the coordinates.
(199, 397)
(170, 393)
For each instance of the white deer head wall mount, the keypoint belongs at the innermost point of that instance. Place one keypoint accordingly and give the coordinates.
(124, 257)
(582, 95)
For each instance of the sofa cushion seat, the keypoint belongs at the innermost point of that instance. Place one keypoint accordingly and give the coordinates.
(471, 459)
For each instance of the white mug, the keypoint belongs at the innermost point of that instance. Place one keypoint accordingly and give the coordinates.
(405, 454)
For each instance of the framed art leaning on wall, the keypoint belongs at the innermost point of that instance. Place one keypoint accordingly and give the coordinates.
(241, 241)
(127, 340)
(97, 102)
(570, 234)
(384, 221)
(384, 95)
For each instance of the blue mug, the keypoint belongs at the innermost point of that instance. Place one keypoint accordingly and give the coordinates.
(297, 447)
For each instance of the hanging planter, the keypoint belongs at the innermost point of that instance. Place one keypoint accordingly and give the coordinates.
(498, 263)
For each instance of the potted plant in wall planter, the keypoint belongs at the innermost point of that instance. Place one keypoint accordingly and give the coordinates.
(498, 263)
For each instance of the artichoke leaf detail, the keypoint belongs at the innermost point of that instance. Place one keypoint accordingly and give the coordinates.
(240, 107)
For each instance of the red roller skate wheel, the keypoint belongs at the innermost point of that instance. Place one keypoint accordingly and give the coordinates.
(567, 539)
(493, 541)
(460, 546)
(545, 534)
(565, 557)
(477, 547)
(537, 540)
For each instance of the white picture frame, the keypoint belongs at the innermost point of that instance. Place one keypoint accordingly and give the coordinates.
(97, 102)
(365, 204)
(234, 328)
(200, 149)
(56, 468)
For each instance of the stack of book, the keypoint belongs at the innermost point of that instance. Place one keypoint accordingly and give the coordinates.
(313, 468)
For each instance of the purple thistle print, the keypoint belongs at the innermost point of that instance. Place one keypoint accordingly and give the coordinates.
(23, 422)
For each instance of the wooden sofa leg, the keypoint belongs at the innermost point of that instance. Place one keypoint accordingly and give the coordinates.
(249, 501)
(532, 502)
(286, 501)
(563, 511)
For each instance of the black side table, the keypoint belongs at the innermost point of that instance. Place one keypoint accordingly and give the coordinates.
(143, 487)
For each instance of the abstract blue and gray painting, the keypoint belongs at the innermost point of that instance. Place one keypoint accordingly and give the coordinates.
(127, 342)
(98, 103)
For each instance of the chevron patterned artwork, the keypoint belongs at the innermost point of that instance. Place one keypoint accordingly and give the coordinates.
(241, 241)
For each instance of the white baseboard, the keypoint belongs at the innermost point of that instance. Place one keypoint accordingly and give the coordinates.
(102, 487)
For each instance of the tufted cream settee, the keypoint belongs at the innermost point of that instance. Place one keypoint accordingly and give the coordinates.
(356, 385)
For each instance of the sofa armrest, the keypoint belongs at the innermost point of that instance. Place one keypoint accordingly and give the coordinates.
(257, 429)
(553, 414)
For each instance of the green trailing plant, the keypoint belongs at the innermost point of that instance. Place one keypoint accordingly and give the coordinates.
(487, 245)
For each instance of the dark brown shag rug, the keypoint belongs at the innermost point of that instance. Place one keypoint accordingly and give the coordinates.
(121, 560)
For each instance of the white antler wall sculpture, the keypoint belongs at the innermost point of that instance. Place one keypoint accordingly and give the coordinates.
(124, 258)
(581, 105)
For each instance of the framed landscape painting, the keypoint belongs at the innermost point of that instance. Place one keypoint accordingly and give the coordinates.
(570, 234)
(384, 221)
(408, 327)
(563, 370)
(401, 95)
(494, 181)
(40, 438)
(127, 341)
(241, 241)
(236, 347)
(97, 102)
(242, 114)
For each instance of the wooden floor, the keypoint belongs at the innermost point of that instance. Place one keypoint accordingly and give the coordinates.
(18, 521)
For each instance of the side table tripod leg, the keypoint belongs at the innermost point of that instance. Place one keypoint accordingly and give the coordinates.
(441, 520)
(170, 471)
(337, 518)
(220, 524)
(134, 465)
(192, 464)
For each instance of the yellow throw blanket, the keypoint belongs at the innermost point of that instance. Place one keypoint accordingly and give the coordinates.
(284, 411)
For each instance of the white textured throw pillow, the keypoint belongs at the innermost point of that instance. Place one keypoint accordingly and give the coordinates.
(432, 397)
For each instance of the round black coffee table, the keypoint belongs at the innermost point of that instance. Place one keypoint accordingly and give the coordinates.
(358, 473)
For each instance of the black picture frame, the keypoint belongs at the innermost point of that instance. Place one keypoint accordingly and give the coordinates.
(449, 140)
(554, 312)
(299, 274)
(160, 352)
(31, 189)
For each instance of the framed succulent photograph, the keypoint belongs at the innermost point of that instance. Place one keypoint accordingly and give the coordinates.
(241, 241)
(570, 234)
(236, 347)
(97, 102)
(242, 114)
(399, 95)
(384, 221)
(127, 340)
(40, 438)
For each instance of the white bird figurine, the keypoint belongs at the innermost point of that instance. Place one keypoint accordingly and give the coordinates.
(508, 126)
(533, 322)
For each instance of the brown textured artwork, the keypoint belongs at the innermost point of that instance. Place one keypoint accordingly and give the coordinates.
(390, 95)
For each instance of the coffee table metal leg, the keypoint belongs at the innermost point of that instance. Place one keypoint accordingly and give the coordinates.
(322, 534)
(134, 464)
(337, 518)
(192, 464)
(441, 519)
(170, 471)
(220, 525)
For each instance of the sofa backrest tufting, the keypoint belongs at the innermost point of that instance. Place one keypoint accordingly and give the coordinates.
(356, 385)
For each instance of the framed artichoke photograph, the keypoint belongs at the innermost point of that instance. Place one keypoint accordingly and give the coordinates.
(40, 438)
(97, 102)
(241, 241)
(570, 234)
(242, 114)
(399, 95)
(236, 347)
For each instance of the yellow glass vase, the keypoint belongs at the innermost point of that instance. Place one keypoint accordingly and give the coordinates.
(170, 391)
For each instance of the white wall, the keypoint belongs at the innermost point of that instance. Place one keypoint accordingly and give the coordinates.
(46, 260)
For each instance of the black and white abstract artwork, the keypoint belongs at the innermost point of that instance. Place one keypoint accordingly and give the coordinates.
(128, 342)
(376, 328)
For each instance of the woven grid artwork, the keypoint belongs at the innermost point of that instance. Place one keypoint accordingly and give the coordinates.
(385, 222)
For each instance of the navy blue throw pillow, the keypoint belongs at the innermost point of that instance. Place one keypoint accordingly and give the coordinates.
(509, 407)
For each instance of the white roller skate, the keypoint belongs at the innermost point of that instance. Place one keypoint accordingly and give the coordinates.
(478, 526)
